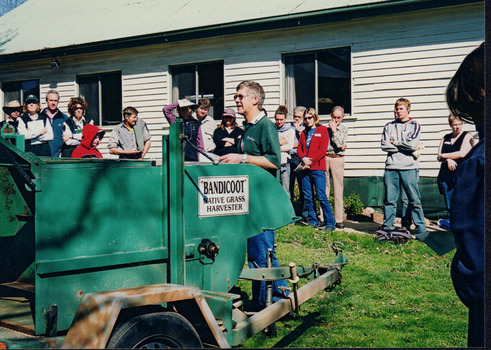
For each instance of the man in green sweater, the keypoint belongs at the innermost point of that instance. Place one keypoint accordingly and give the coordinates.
(259, 146)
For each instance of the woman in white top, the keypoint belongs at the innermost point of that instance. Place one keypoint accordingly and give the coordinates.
(74, 125)
(35, 127)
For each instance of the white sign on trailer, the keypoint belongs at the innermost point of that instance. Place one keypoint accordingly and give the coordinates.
(223, 195)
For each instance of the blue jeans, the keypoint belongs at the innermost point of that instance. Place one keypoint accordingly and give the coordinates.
(406, 217)
(317, 178)
(257, 248)
(408, 180)
(446, 185)
(293, 176)
(285, 178)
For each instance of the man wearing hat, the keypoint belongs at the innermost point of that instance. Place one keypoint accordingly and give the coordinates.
(12, 110)
(192, 127)
(56, 119)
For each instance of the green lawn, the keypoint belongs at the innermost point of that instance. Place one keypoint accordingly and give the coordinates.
(392, 295)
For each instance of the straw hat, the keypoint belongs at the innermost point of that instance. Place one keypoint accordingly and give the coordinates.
(185, 103)
(12, 106)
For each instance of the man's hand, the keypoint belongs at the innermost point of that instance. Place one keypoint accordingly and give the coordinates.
(231, 158)
(296, 124)
(66, 137)
(333, 125)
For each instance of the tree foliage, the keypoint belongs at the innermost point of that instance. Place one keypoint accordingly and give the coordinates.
(8, 5)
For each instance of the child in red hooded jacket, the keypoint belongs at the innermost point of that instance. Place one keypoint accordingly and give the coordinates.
(91, 138)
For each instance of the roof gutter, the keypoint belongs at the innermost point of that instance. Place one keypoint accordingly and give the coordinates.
(248, 26)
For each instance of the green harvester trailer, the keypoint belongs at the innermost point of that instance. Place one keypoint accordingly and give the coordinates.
(108, 253)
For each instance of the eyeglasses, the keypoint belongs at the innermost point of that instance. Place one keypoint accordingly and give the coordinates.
(15, 110)
(308, 118)
(77, 108)
(239, 96)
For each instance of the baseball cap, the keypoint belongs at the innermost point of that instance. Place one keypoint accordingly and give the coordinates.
(31, 98)
(229, 112)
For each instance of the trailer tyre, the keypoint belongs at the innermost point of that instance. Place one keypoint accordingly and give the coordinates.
(155, 331)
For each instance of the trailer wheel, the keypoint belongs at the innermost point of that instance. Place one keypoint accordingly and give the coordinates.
(155, 331)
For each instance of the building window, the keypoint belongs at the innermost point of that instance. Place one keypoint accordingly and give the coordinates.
(18, 90)
(103, 95)
(202, 80)
(320, 79)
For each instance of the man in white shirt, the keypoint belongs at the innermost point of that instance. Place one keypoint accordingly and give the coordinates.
(286, 134)
(208, 124)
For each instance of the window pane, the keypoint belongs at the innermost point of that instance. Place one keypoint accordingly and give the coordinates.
(11, 91)
(300, 72)
(30, 87)
(111, 98)
(334, 83)
(18, 90)
(210, 77)
(184, 83)
(89, 90)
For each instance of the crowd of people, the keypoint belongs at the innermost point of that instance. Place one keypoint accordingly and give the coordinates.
(310, 153)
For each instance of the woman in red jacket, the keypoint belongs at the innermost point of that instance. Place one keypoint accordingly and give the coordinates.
(312, 148)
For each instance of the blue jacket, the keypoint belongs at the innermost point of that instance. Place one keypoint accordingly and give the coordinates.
(467, 226)
(57, 125)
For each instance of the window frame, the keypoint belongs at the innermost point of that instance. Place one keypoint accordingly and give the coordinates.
(315, 52)
(217, 115)
(20, 91)
(101, 122)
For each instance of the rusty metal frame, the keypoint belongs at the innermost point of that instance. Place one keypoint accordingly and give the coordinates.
(256, 323)
(98, 312)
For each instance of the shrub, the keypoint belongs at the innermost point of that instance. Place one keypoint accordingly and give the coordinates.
(353, 204)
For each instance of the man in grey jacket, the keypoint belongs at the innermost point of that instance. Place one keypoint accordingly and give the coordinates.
(400, 139)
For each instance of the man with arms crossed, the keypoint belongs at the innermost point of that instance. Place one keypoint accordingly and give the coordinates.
(400, 139)
(259, 146)
(56, 119)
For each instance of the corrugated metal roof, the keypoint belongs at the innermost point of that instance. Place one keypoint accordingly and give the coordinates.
(41, 24)
(46, 24)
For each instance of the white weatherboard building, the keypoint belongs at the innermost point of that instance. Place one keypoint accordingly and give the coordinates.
(362, 55)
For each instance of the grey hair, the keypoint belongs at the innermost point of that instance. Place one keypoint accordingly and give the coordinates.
(255, 89)
(299, 109)
(52, 92)
(335, 108)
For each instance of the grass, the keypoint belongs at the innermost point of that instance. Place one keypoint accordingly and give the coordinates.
(392, 295)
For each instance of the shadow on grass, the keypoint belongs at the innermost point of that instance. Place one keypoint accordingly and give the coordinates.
(308, 321)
